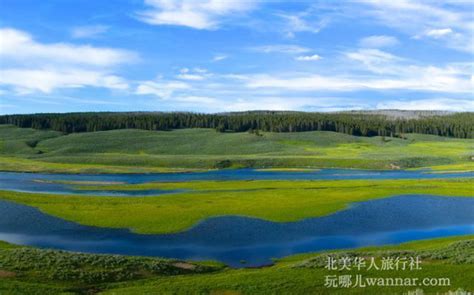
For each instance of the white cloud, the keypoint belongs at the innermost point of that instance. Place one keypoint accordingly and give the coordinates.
(281, 48)
(393, 72)
(374, 60)
(193, 77)
(308, 57)
(416, 18)
(200, 70)
(300, 82)
(369, 54)
(280, 91)
(219, 57)
(299, 22)
(195, 99)
(196, 74)
(51, 99)
(46, 80)
(283, 103)
(20, 47)
(435, 104)
(162, 89)
(88, 31)
(378, 41)
(205, 14)
(28, 65)
(432, 79)
(437, 33)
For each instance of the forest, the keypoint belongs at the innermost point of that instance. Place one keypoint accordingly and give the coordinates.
(459, 125)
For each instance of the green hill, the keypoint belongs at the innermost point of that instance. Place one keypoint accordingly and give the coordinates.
(133, 150)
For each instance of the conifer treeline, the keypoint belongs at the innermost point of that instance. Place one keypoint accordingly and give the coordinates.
(458, 125)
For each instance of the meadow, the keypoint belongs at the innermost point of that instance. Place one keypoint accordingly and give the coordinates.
(279, 201)
(25, 270)
(305, 274)
(141, 151)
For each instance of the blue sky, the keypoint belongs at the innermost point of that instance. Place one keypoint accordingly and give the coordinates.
(217, 55)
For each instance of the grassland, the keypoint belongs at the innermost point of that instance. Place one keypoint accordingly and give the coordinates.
(306, 274)
(140, 151)
(279, 201)
(25, 270)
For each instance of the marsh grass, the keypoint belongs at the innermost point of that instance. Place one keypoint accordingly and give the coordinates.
(279, 201)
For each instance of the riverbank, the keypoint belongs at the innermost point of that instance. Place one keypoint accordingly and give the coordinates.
(26, 270)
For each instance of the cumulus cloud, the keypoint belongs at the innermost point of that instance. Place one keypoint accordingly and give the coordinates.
(378, 41)
(205, 14)
(28, 65)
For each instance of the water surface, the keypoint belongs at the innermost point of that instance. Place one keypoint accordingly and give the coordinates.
(41, 183)
(234, 240)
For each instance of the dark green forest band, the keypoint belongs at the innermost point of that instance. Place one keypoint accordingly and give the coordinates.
(458, 125)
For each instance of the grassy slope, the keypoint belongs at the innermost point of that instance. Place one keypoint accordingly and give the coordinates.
(26, 270)
(272, 200)
(155, 151)
(299, 274)
(32, 271)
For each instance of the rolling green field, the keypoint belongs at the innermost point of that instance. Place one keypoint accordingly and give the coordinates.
(25, 270)
(140, 151)
(279, 201)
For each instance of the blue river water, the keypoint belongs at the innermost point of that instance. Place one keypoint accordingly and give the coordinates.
(244, 242)
(41, 183)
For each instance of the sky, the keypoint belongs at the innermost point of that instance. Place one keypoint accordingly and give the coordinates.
(218, 55)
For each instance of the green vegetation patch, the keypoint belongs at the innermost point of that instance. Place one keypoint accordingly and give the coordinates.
(142, 151)
(279, 201)
(22, 268)
(441, 258)
(27, 270)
